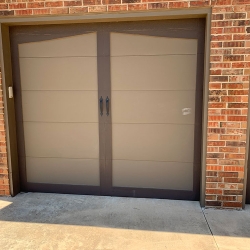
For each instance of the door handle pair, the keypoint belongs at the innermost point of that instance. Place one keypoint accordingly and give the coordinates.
(101, 105)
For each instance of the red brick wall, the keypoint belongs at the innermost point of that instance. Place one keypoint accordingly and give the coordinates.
(228, 102)
(228, 87)
(4, 177)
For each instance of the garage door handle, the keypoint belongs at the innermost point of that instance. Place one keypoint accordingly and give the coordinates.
(107, 105)
(101, 106)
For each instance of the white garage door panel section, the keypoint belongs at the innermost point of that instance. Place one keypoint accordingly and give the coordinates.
(60, 110)
(153, 111)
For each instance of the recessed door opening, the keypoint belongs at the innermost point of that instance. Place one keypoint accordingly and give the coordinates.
(110, 108)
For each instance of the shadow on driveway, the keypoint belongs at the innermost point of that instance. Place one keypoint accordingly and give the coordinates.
(37, 220)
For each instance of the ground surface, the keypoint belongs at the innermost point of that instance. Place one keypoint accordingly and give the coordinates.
(55, 221)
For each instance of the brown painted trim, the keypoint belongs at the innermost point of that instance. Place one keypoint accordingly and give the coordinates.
(198, 109)
(109, 17)
(154, 193)
(19, 116)
(246, 187)
(205, 108)
(9, 111)
(63, 189)
(104, 88)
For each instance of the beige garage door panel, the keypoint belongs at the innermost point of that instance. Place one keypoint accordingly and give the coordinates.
(80, 45)
(153, 84)
(130, 44)
(60, 110)
(153, 142)
(63, 171)
(66, 140)
(153, 174)
(69, 73)
(60, 106)
(153, 107)
(170, 72)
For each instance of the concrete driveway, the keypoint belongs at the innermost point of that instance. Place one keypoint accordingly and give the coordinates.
(55, 221)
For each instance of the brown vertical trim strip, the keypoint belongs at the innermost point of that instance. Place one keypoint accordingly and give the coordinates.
(103, 68)
(246, 190)
(205, 109)
(9, 112)
(198, 108)
(19, 114)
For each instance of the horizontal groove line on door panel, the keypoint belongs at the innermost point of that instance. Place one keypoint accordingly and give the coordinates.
(42, 57)
(132, 123)
(61, 184)
(59, 122)
(103, 56)
(184, 90)
(188, 54)
(47, 157)
(155, 55)
(150, 189)
(151, 160)
(58, 90)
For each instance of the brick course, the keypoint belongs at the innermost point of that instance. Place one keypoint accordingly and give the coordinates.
(228, 87)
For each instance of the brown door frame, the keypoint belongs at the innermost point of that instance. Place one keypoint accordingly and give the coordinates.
(246, 190)
(246, 193)
(128, 16)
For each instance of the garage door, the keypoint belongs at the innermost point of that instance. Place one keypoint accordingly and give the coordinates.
(110, 108)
